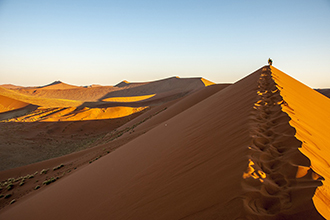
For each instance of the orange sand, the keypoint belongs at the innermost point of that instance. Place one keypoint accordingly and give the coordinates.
(309, 113)
(45, 102)
(207, 82)
(8, 104)
(129, 98)
(58, 85)
(222, 152)
(73, 114)
(177, 169)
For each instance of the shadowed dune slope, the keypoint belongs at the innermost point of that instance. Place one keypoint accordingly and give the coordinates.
(158, 87)
(178, 169)
(207, 162)
(309, 113)
(174, 107)
(325, 92)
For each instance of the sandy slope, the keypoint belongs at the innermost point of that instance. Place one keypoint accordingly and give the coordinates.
(83, 133)
(58, 85)
(309, 113)
(60, 90)
(51, 134)
(91, 94)
(9, 104)
(162, 166)
(45, 102)
(233, 155)
(181, 85)
(10, 86)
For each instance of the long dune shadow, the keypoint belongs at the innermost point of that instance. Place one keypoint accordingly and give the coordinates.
(17, 112)
(24, 143)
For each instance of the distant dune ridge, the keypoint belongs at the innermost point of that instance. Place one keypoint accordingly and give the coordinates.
(60, 106)
(184, 149)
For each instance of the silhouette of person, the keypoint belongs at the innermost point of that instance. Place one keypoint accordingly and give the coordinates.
(270, 62)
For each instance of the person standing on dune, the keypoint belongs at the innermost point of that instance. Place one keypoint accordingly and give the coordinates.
(270, 62)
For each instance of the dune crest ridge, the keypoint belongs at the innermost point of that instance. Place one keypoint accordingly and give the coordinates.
(277, 183)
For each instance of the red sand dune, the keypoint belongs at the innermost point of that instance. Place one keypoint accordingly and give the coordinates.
(312, 124)
(233, 154)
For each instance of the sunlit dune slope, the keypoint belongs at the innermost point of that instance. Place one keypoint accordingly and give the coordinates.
(44, 102)
(310, 116)
(207, 82)
(8, 104)
(129, 98)
(230, 156)
(90, 94)
(75, 114)
(98, 113)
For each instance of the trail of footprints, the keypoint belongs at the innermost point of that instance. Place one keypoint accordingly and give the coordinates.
(274, 157)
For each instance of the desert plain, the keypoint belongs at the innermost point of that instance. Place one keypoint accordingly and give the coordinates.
(176, 148)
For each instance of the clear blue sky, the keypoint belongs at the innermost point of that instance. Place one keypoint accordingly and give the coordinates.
(104, 42)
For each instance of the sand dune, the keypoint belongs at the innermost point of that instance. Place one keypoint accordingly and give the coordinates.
(163, 149)
(62, 102)
(182, 85)
(233, 154)
(250, 150)
(85, 133)
(309, 113)
(58, 85)
(74, 114)
(10, 86)
(91, 94)
(51, 113)
(45, 102)
(9, 104)
(129, 98)
(67, 94)
(125, 83)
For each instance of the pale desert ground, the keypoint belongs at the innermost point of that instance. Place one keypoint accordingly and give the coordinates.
(176, 148)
